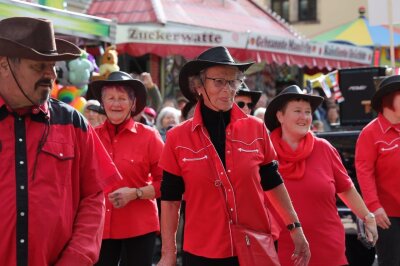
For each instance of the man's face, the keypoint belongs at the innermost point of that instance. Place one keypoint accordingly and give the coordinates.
(244, 102)
(220, 84)
(35, 78)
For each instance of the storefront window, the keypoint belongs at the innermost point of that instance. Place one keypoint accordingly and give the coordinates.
(307, 10)
(281, 7)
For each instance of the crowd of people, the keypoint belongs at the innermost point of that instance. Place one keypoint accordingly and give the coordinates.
(83, 191)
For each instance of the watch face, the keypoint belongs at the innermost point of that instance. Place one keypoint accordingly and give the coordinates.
(139, 193)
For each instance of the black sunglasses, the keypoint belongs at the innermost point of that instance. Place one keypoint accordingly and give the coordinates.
(242, 104)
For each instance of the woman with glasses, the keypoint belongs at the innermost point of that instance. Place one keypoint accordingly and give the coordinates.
(222, 171)
(247, 99)
(131, 219)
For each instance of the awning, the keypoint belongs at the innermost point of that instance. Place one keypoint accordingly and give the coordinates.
(188, 27)
(65, 22)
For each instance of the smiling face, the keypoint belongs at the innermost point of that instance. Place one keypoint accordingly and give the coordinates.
(295, 118)
(35, 78)
(117, 104)
(220, 96)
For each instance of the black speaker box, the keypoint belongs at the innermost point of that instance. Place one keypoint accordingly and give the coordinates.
(357, 87)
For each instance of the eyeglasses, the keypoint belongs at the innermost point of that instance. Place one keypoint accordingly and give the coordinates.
(243, 104)
(221, 83)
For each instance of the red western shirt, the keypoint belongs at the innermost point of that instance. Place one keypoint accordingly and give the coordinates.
(189, 153)
(135, 150)
(52, 207)
(378, 165)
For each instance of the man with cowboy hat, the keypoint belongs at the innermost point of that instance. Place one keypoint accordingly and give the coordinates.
(247, 99)
(378, 170)
(54, 168)
(132, 217)
(224, 170)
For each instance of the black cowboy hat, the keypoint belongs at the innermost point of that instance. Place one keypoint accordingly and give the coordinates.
(291, 92)
(386, 86)
(33, 38)
(123, 79)
(215, 56)
(245, 91)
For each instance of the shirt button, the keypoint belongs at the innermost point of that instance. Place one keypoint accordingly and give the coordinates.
(108, 210)
(231, 209)
(22, 241)
(20, 140)
(222, 173)
(228, 132)
(22, 187)
(19, 118)
(21, 162)
(229, 170)
(230, 221)
(22, 213)
(61, 154)
(229, 190)
(115, 140)
(228, 151)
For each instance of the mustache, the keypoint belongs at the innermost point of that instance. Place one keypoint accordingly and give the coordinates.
(44, 82)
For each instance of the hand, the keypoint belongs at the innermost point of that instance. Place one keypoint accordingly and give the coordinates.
(301, 255)
(122, 196)
(382, 220)
(371, 231)
(168, 258)
(147, 80)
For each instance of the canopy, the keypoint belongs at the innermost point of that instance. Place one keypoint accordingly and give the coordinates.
(188, 27)
(359, 32)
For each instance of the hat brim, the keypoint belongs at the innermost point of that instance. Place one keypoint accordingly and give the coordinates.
(376, 101)
(65, 51)
(271, 121)
(254, 95)
(194, 67)
(95, 87)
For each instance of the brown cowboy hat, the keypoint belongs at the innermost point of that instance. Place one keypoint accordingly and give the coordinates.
(122, 79)
(216, 56)
(291, 92)
(386, 86)
(245, 91)
(33, 38)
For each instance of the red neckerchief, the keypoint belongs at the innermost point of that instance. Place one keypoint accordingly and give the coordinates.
(292, 163)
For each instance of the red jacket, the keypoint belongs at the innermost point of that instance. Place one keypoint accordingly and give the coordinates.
(377, 164)
(135, 150)
(189, 153)
(54, 217)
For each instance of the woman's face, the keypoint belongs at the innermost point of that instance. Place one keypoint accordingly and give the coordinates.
(220, 92)
(295, 119)
(169, 120)
(117, 104)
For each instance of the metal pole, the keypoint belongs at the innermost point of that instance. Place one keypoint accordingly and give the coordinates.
(390, 18)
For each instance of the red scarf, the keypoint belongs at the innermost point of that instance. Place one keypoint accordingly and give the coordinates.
(292, 163)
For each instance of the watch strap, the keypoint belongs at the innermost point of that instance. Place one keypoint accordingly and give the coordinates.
(292, 226)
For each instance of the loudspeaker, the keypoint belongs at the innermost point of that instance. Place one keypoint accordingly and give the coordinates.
(357, 87)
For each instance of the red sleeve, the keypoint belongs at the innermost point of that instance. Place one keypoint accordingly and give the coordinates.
(168, 160)
(156, 147)
(269, 151)
(343, 181)
(365, 159)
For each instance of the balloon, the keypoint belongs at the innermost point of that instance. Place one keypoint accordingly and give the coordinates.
(54, 90)
(67, 94)
(79, 104)
(79, 71)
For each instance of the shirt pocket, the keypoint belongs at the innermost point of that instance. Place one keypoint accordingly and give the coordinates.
(387, 149)
(193, 160)
(135, 168)
(57, 161)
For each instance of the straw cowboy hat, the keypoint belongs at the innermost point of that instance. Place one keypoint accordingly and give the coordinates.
(122, 79)
(387, 86)
(245, 91)
(216, 56)
(33, 38)
(291, 92)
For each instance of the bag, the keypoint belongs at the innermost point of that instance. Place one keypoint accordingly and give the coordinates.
(361, 236)
(254, 248)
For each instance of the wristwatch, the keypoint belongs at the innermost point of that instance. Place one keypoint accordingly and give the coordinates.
(139, 193)
(369, 216)
(292, 226)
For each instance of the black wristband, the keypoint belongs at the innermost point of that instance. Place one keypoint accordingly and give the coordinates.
(292, 226)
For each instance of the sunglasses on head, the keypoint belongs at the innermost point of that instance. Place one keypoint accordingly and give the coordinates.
(242, 105)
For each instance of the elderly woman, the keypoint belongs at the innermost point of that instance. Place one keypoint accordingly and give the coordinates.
(131, 217)
(223, 171)
(314, 175)
(167, 118)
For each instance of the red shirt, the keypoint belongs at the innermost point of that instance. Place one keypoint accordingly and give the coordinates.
(189, 153)
(314, 199)
(135, 150)
(52, 215)
(378, 165)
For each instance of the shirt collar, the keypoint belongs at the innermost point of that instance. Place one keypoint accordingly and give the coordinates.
(386, 125)
(236, 114)
(41, 111)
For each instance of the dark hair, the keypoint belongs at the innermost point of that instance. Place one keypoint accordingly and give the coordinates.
(283, 107)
